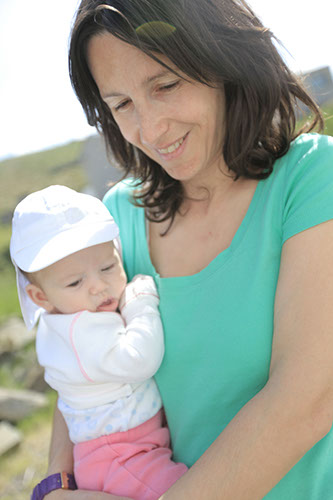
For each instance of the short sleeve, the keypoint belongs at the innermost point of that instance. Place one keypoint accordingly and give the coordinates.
(308, 184)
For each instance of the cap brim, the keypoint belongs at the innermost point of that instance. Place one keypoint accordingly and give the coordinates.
(63, 244)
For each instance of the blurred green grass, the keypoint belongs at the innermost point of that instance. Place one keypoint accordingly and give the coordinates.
(22, 175)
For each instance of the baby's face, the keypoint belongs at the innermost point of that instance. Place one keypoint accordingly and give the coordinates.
(91, 279)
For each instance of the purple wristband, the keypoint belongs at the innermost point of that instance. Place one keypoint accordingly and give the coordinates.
(54, 482)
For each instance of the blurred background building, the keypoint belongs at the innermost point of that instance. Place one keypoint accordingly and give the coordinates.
(320, 85)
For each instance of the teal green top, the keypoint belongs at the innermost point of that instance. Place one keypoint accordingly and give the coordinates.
(218, 323)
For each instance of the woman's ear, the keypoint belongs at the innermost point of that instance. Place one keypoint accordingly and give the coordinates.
(37, 296)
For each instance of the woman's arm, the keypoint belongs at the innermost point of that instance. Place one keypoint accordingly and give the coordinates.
(61, 459)
(61, 448)
(295, 409)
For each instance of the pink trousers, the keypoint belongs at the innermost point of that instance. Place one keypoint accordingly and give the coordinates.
(135, 464)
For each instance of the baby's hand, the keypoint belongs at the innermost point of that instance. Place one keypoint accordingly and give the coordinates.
(142, 288)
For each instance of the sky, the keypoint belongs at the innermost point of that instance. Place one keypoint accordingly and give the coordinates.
(38, 108)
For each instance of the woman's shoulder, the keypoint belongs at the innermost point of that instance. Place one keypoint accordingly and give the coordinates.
(310, 146)
(121, 190)
(308, 153)
(120, 203)
(311, 139)
(119, 199)
(306, 183)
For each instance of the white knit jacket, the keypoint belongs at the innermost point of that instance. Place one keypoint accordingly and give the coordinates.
(94, 358)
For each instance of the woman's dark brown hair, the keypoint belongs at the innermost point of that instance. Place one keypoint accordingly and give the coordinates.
(216, 42)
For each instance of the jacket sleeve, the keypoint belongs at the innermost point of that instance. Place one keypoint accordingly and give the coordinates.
(124, 348)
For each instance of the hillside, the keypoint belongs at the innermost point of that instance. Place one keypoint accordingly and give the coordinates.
(24, 174)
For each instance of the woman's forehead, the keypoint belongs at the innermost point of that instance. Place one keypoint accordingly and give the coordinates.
(114, 63)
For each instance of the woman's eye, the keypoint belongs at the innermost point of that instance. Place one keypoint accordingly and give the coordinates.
(122, 105)
(74, 284)
(169, 86)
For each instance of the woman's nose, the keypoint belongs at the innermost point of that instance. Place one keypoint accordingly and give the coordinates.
(152, 124)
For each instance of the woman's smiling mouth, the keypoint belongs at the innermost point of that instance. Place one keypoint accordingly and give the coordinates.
(173, 147)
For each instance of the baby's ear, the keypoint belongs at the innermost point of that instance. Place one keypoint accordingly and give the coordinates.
(37, 296)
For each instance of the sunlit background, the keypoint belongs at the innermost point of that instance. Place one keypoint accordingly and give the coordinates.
(39, 111)
(37, 105)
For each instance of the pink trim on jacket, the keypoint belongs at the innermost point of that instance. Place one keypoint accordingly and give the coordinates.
(71, 333)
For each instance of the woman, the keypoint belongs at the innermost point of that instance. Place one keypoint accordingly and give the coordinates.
(233, 219)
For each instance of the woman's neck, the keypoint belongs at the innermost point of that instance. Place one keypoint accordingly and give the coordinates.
(213, 186)
(214, 172)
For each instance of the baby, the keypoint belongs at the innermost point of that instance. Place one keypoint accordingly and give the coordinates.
(99, 339)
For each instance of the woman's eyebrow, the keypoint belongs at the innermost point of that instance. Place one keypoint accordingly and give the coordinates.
(146, 81)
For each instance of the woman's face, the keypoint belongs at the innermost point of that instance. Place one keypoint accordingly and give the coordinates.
(177, 123)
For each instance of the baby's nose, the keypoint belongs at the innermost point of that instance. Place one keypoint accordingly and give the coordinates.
(98, 286)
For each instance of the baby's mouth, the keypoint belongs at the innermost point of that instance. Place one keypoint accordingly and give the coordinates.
(109, 305)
